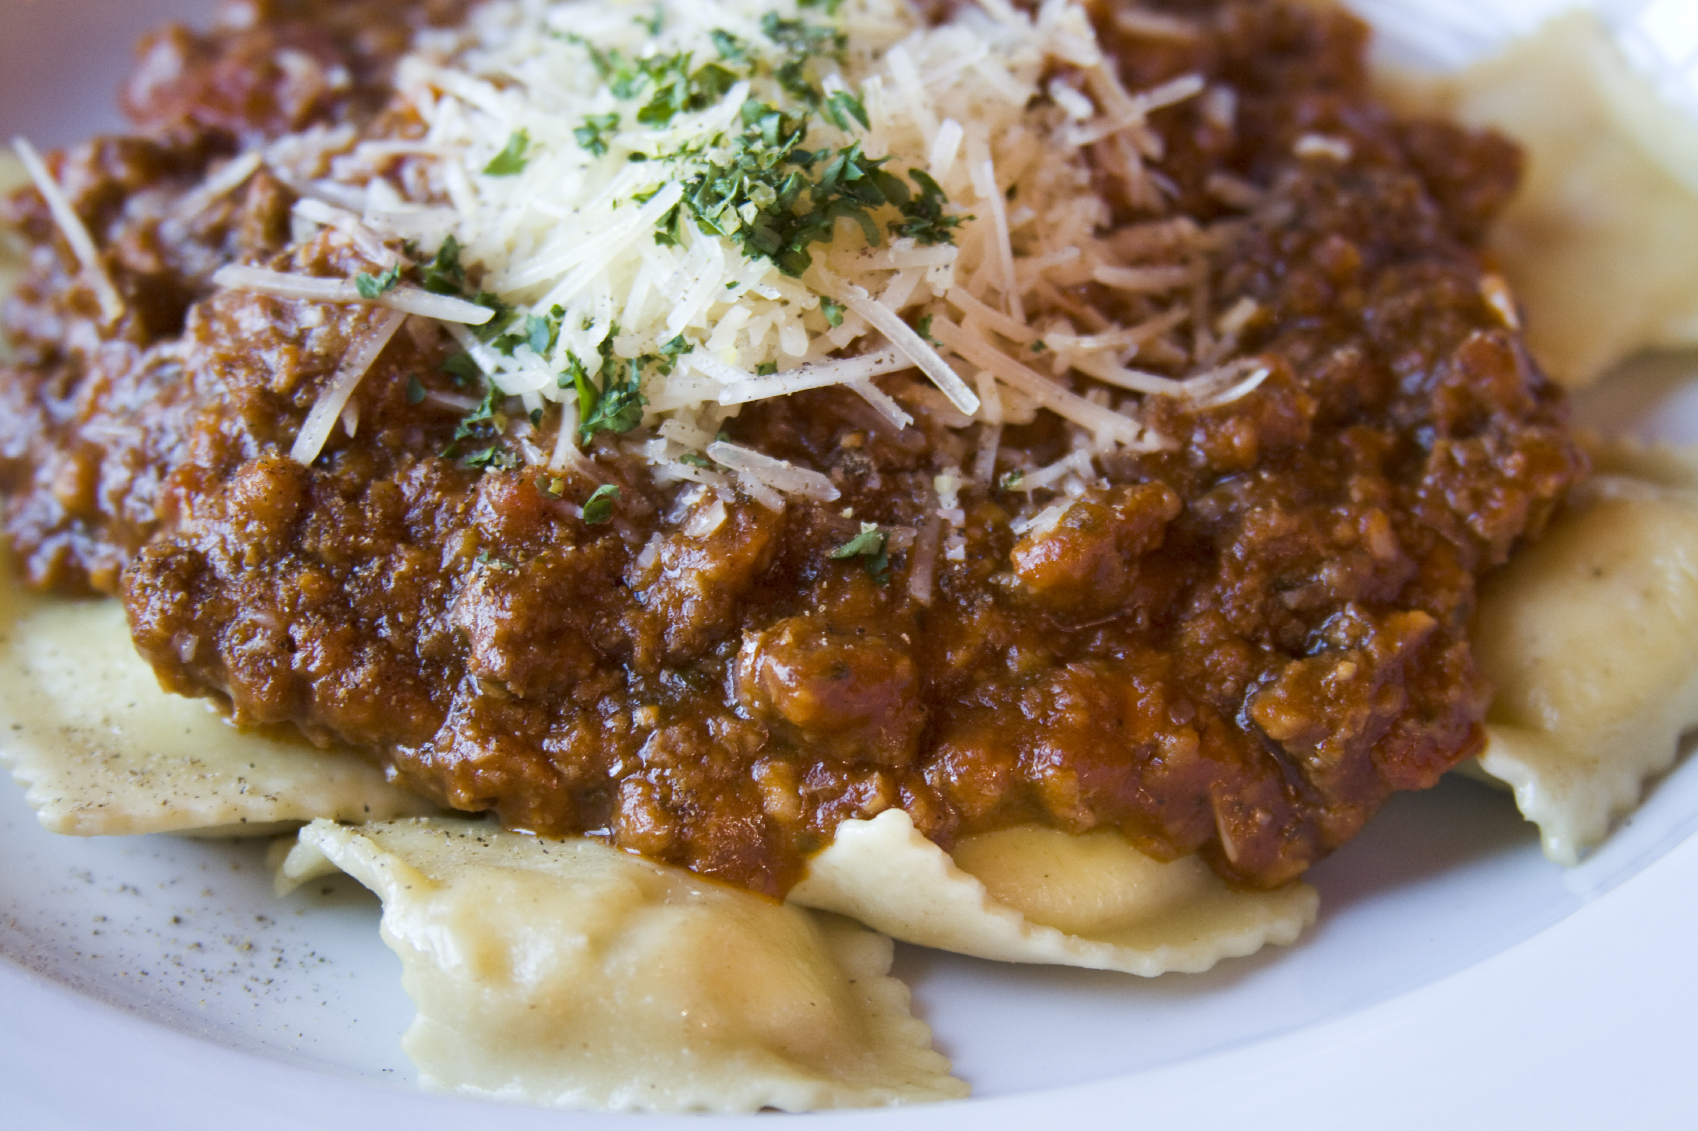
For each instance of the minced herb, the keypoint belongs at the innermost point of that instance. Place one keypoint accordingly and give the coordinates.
(611, 399)
(444, 275)
(924, 328)
(1011, 480)
(922, 216)
(499, 320)
(871, 545)
(374, 286)
(484, 558)
(462, 368)
(833, 312)
(512, 159)
(598, 508)
(415, 390)
(493, 458)
(484, 424)
(593, 134)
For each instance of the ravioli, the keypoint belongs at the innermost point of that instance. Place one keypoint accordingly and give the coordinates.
(571, 974)
(104, 751)
(1591, 636)
(1040, 895)
(1599, 244)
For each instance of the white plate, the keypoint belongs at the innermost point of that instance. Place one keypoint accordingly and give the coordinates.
(1454, 974)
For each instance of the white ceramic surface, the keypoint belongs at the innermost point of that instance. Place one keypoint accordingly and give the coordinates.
(1455, 975)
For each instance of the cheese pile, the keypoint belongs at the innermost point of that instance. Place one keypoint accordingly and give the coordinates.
(676, 209)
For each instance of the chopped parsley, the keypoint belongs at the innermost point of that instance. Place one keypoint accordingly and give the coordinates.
(871, 545)
(462, 368)
(512, 159)
(485, 559)
(445, 275)
(484, 424)
(922, 216)
(1011, 480)
(493, 458)
(842, 107)
(374, 286)
(415, 390)
(677, 88)
(730, 48)
(552, 487)
(833, 312)
(695, 459)
(761, 185)
(498, 321)
(611, 399)
(924, 328)
(593, 134)
(598, 508)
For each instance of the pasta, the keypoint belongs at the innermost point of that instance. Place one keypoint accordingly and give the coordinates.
(1592, 639)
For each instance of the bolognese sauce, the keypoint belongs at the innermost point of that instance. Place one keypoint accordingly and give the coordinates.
(1240, 644)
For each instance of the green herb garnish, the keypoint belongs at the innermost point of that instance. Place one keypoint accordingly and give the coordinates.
(492, 458)
(415, 390)
(871, 545)
(444, 275)
(833, 312)
(593, 134)
(598, 508)
(512, 159)
(615, 404)
(462, 367)
(922, 216)
(1011, 480)
(375, 286)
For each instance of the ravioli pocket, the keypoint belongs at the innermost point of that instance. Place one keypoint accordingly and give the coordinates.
(1599, 242)
(1041, 895)
(1591, 636)
(572, 974)
(104, 751)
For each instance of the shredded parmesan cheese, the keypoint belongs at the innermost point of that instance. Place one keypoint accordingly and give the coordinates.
(593, 216)
(316, 429)
(72, 228)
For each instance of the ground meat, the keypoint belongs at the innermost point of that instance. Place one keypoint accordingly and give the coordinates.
(1241, 646)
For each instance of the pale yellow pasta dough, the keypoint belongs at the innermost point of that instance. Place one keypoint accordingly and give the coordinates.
(571, 974)
(1591, 637)
(1038, 895)
(102, 750)
(1600, 243)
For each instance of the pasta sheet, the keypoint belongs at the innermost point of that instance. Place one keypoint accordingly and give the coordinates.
(1039, 895)
(103, 751)
(1599, 244)
(571, 974)
(1591, 637)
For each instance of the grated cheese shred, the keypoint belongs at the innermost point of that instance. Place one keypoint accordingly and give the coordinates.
(73, 229)
(577, 205)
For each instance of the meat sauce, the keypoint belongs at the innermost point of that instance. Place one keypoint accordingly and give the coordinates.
(1240, 647)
